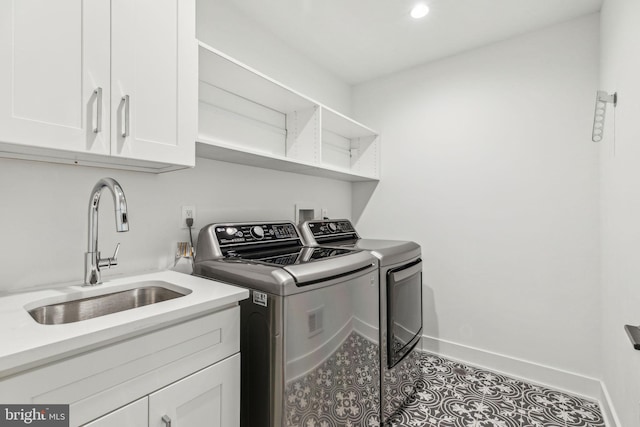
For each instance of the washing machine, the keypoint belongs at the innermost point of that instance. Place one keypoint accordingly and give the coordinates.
(400, 304)
(309, 338)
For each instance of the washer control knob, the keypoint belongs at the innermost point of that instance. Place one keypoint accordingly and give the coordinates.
(257, 232)
(333, 227)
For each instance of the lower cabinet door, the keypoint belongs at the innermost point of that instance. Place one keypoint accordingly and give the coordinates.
(133, 415)
(208, 398)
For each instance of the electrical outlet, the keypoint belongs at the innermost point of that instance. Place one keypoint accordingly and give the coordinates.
(187, 212)
(324, 213)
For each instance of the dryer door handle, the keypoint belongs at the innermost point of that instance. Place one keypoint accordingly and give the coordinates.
(400, 275)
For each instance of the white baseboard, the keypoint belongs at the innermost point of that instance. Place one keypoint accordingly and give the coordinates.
(570, 382)
(608, 410)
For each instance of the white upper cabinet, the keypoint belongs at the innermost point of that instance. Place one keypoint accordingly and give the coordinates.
(154, 80)
(53, 56)
(67, 67)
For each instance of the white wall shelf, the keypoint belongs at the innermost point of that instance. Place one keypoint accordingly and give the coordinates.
(248, 118)
(218, 150)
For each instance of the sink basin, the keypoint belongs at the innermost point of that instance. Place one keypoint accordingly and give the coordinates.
(100, 305)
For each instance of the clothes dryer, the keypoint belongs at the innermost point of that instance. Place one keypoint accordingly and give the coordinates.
(400, 304)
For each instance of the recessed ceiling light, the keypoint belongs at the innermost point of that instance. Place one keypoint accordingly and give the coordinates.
(419, 11)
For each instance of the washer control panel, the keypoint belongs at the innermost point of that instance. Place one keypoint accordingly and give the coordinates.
(236, 234)
(331, 227)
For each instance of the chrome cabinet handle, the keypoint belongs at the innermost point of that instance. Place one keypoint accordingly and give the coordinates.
(166, 420)
(125, 132)
(98, 122)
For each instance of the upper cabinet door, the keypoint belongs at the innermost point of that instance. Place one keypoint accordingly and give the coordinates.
(54, 74)
(154, 80)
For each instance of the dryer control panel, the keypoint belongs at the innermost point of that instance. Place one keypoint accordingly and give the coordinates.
(331, 229)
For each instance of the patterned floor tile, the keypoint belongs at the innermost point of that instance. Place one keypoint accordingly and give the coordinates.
(344, 392)
(457, 395)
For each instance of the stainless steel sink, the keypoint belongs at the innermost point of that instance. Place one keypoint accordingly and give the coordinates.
(96, 306)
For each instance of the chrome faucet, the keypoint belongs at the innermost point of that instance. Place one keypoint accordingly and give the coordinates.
(92, 261)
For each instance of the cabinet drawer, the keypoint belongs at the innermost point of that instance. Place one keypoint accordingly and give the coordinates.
(135, 414)
(102, 380)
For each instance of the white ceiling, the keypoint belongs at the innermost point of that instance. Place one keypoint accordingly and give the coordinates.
(359, 40)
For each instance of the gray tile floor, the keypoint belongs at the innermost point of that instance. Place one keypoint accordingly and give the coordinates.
(457, 395)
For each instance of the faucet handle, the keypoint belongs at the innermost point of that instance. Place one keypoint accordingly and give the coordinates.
(113, 261)
(109, 262)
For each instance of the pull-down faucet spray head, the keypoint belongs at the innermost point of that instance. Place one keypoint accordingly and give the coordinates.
(120, 202)
(93, 262)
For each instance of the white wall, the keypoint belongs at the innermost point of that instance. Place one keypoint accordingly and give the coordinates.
(620, 163)
(221, 25)
(43, 214)
(488, 164)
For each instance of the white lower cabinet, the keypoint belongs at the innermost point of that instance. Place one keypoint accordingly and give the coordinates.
(210, 397)
(188, 372)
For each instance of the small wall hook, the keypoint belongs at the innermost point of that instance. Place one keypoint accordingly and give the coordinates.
(602, 99)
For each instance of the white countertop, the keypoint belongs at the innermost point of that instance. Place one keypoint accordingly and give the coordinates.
(25, 343)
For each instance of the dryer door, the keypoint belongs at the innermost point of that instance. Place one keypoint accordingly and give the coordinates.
(404, 310)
